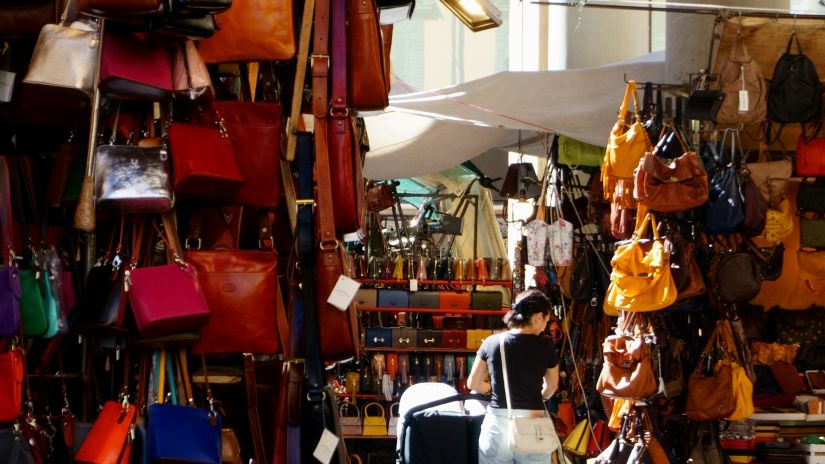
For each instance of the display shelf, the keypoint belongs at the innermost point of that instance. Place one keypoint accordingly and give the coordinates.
(410, 349)
(473, 312)
(366, 396)
(460, 283)
(370, 437)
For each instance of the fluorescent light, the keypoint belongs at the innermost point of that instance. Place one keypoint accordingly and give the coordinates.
(477, 15)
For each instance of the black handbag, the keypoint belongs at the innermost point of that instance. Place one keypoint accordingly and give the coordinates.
(769, 259)
(738, 277)
(14, 449)
(703, 104)
(811, 197)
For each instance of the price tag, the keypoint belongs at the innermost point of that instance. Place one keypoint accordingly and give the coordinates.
(343, 293)
(326, 447)
(743, 101)
(6, 85)
(413, 285)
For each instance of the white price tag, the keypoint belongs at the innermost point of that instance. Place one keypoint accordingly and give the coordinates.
(413, 285)
(326, 447)
(743, 101)
(343, 293)
(6, 85)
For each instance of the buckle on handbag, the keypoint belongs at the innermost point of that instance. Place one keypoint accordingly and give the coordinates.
(315, 56)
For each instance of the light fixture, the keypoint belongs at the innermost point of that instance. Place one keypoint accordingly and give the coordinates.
(477, 15)
(393, 11)
(523, 209)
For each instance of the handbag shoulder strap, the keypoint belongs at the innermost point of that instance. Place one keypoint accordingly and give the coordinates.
(5, 210)
(504, 373)
(630, 92)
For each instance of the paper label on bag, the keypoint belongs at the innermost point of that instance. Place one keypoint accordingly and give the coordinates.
(6, 85)
(343, 293)
(413, 285)
(326, 447)
(743, 101)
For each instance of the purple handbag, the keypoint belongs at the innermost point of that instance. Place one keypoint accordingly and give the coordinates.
(9, 275)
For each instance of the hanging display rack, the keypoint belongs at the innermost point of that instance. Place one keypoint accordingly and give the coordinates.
(682, 7)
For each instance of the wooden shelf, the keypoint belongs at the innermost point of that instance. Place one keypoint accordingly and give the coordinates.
(370, 437)
(410, 349)
(366, 396)
(460, 283)
(473, 312)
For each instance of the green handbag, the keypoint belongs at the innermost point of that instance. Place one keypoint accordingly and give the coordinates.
(812, 233)
(575, 153)
(32, 311)
(51, 308)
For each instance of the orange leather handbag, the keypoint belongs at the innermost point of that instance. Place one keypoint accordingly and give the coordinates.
(108, 440)
(11, 385)
(679, 185)
(252, 30)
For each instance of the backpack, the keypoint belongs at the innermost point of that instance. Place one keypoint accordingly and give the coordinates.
(795, 93)
(737, 73)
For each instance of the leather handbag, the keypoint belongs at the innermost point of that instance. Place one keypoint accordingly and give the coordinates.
(811, 197)
(32, 311)
(134, 69)
(65, 57)
(810, 157)
(641, 279)
(11, 380)
(252, 30)
(627, 371)
(213, 176)
(167, 299)
(184, 434)
(197, 6)
(724, 211)
(680, 185)
(369, 79)
(771, 177)
(14, 448)
(121, 8)
(350, 424)
(182, 26)
(804, 327)
(9, 300)
(626, 146)
(374, 425)
(601, 438)
(109, 436)
(779, 222)
(366, 297)
(103, 300)
(454, 300)
(26, 19)
(770, 260)
(737, 278)
(574, 153)
(738, 74)
(347, 181)
(189, 74)
(811, 232)
(133, 179)
(521, 182)
(486, 300)
(811, 267)
(578, 440)
(756, 207)
(241, 291)
(255, 132)
(379, 197)
(710, 386)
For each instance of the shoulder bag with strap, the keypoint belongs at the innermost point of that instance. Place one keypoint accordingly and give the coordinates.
(535, 435)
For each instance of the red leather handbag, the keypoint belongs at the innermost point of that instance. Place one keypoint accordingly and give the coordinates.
(241, 289)
(810, 157)
(166, 299)
(203, 161)
(255, 132)
(108, 440)
(11, 384)
(369, 80)
(134, 69)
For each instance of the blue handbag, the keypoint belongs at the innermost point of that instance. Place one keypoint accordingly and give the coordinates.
(725, 209)
(184, 434)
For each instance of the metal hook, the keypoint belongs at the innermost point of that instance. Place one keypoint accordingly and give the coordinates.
(793, 27)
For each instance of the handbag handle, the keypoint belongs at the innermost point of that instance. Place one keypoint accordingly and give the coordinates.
(640, 231)
(629, 90)
(373, 403)
(346, 405)
(810, 285)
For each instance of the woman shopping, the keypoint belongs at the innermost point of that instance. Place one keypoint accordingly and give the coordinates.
(532, 370)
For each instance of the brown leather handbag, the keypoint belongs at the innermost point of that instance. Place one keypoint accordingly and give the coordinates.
(252, 30)
(679, 185)
(25, 19)
(710, 394)
(369, 79)
(627, 371)
(117, 8)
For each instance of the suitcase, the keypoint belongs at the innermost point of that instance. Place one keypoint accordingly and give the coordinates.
(486, 300)
(404, 337)
(393, 298)
(454, 300)
(440, 437)
(424, 299)
(378, 336)
(429, 338)
(454, 338)
(366, 297)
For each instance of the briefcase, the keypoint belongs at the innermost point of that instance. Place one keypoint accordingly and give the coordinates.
(366, 297)
(454, 338)
(424, 299)
(378, 336)
(454, 300)
(486, 300)
(393, 298)
(429, 339)
(404, 337)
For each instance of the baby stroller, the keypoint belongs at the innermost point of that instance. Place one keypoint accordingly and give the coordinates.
(444, 429)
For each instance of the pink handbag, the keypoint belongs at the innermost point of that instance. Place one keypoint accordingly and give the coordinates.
(134, 69)
(166, 299)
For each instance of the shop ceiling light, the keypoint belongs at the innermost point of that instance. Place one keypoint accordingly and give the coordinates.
(478, 15)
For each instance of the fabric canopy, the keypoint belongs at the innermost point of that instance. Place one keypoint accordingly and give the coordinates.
(426, 131)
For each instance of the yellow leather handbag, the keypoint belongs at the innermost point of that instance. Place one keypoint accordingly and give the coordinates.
(375, 425)
(641, 279)
(778, 222)
(576, 443)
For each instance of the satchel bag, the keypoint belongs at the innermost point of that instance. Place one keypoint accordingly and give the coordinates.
(711, 396)
(810, 157)
(641, 279)
(166, 299)
(109, 436)
(379, 197)
(65, 57)
(811, 197)
(213, 176)
(678, 186)
(134, 69)
(627, 371)
(369, 79)
(374, 425)
(740, 77)
(534, 435)
(11, 380)
(133, 179)
(350, 425)
(252, 30)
